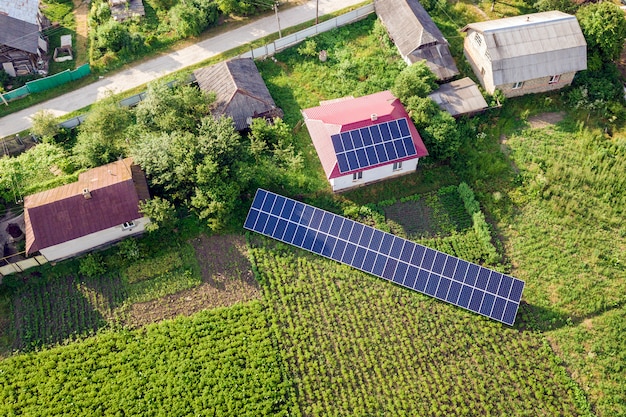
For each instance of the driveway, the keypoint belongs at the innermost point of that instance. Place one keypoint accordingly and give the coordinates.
(163, 65)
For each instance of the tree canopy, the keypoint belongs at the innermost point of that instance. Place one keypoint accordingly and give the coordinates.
(604, 27)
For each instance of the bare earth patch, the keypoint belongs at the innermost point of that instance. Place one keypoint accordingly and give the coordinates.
(542, 120)
(227, 279)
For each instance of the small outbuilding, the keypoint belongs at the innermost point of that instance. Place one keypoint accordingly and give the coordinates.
(363, 140)
(100, 208)
(240, 92)
(460, 97)
(525, 54)
(23, 49)
(416, 36)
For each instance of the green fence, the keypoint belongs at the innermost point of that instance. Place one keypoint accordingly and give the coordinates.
(47, 83)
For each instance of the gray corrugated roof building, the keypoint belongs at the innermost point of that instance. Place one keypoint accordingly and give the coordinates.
(239, 89)
(416, 36)
(524, 48)
(459, 97)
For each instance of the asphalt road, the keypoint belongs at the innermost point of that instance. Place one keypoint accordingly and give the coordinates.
(166, 64)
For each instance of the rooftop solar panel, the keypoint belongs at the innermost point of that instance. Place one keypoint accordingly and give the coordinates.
(372, 145)
(398, 260)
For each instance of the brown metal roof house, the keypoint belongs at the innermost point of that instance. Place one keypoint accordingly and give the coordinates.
(100, 208)
(22, 47)
(240, 92)
(416, 36)
(525, 54)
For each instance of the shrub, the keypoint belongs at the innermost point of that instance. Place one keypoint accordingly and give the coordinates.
(92, 265)
(414, 80)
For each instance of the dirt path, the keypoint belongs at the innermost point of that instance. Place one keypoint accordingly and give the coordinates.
(227, 279)
(81, 10)
(542, 120)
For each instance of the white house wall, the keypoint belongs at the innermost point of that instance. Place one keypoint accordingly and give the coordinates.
(372, 175)
(92, 241)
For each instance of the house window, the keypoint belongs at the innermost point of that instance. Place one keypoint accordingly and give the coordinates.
(518, 84)
(554, 79)
(397, 166)
(478, 40)
(488, 56)
(357, 176)
(128, 225)
(482, 71)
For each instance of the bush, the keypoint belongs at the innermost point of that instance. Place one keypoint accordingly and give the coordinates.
(414, 80)
(190, 18)
(92, 265)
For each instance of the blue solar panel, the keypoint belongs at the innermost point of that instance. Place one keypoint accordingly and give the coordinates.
(398, 260)
(373, 145)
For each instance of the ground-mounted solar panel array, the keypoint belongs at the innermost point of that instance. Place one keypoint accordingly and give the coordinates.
(384, 255)
(372, 145)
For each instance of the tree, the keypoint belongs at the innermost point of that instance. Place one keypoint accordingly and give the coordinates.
(604, 27)
(45, 125)
(102, 136)
(566, 6)
(166, 109)
(414, 80)
(161, 212)
(438, 129)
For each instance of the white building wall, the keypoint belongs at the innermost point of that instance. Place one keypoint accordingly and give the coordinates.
(92, 241)
(372, 175)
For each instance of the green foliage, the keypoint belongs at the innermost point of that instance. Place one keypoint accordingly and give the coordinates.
(243, 7)
(168, 109)
(153, 267)
(604, 27)
(164, 4)
(129, 249)
(30, 172)
(469, 201)
(45, 125)
(441, 136)
(599, 92)
(92, 265)
(422, 110)
(427, 358)
(161, 212)
(221, 362)
(566, 6)
(414, 80)
(191, 17)
(308, 48)
(102, 136)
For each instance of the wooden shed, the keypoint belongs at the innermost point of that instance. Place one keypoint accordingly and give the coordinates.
(240, 92)
(460, 97)
(416, 36)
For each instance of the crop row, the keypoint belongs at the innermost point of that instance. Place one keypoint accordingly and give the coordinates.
(357, 345)
(219, 363)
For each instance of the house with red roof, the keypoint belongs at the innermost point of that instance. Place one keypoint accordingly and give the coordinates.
(363, 140)
(100, 208)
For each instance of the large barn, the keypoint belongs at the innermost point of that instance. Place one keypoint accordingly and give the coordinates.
(363, 140)
(100, 208)
(526, 54)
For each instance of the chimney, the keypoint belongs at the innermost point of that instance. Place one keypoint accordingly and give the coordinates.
(86, 193)
(374, 117)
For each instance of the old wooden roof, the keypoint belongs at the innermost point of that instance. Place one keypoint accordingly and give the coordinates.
(532, 46)
(64, 213)
(459, 97)
(239, 89)
(18, 34)
(416, 36)
(23, 10)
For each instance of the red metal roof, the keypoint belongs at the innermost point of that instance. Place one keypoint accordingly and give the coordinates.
(341, 116)
(63, 213)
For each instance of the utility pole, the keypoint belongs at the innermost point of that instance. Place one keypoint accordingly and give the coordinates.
(317, 11)
(280, 35)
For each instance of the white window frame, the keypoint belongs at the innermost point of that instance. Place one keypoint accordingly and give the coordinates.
(554, 79)
(397, 166)
(357, 176)
(128, 225)
(478, 40)
(518, 85)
